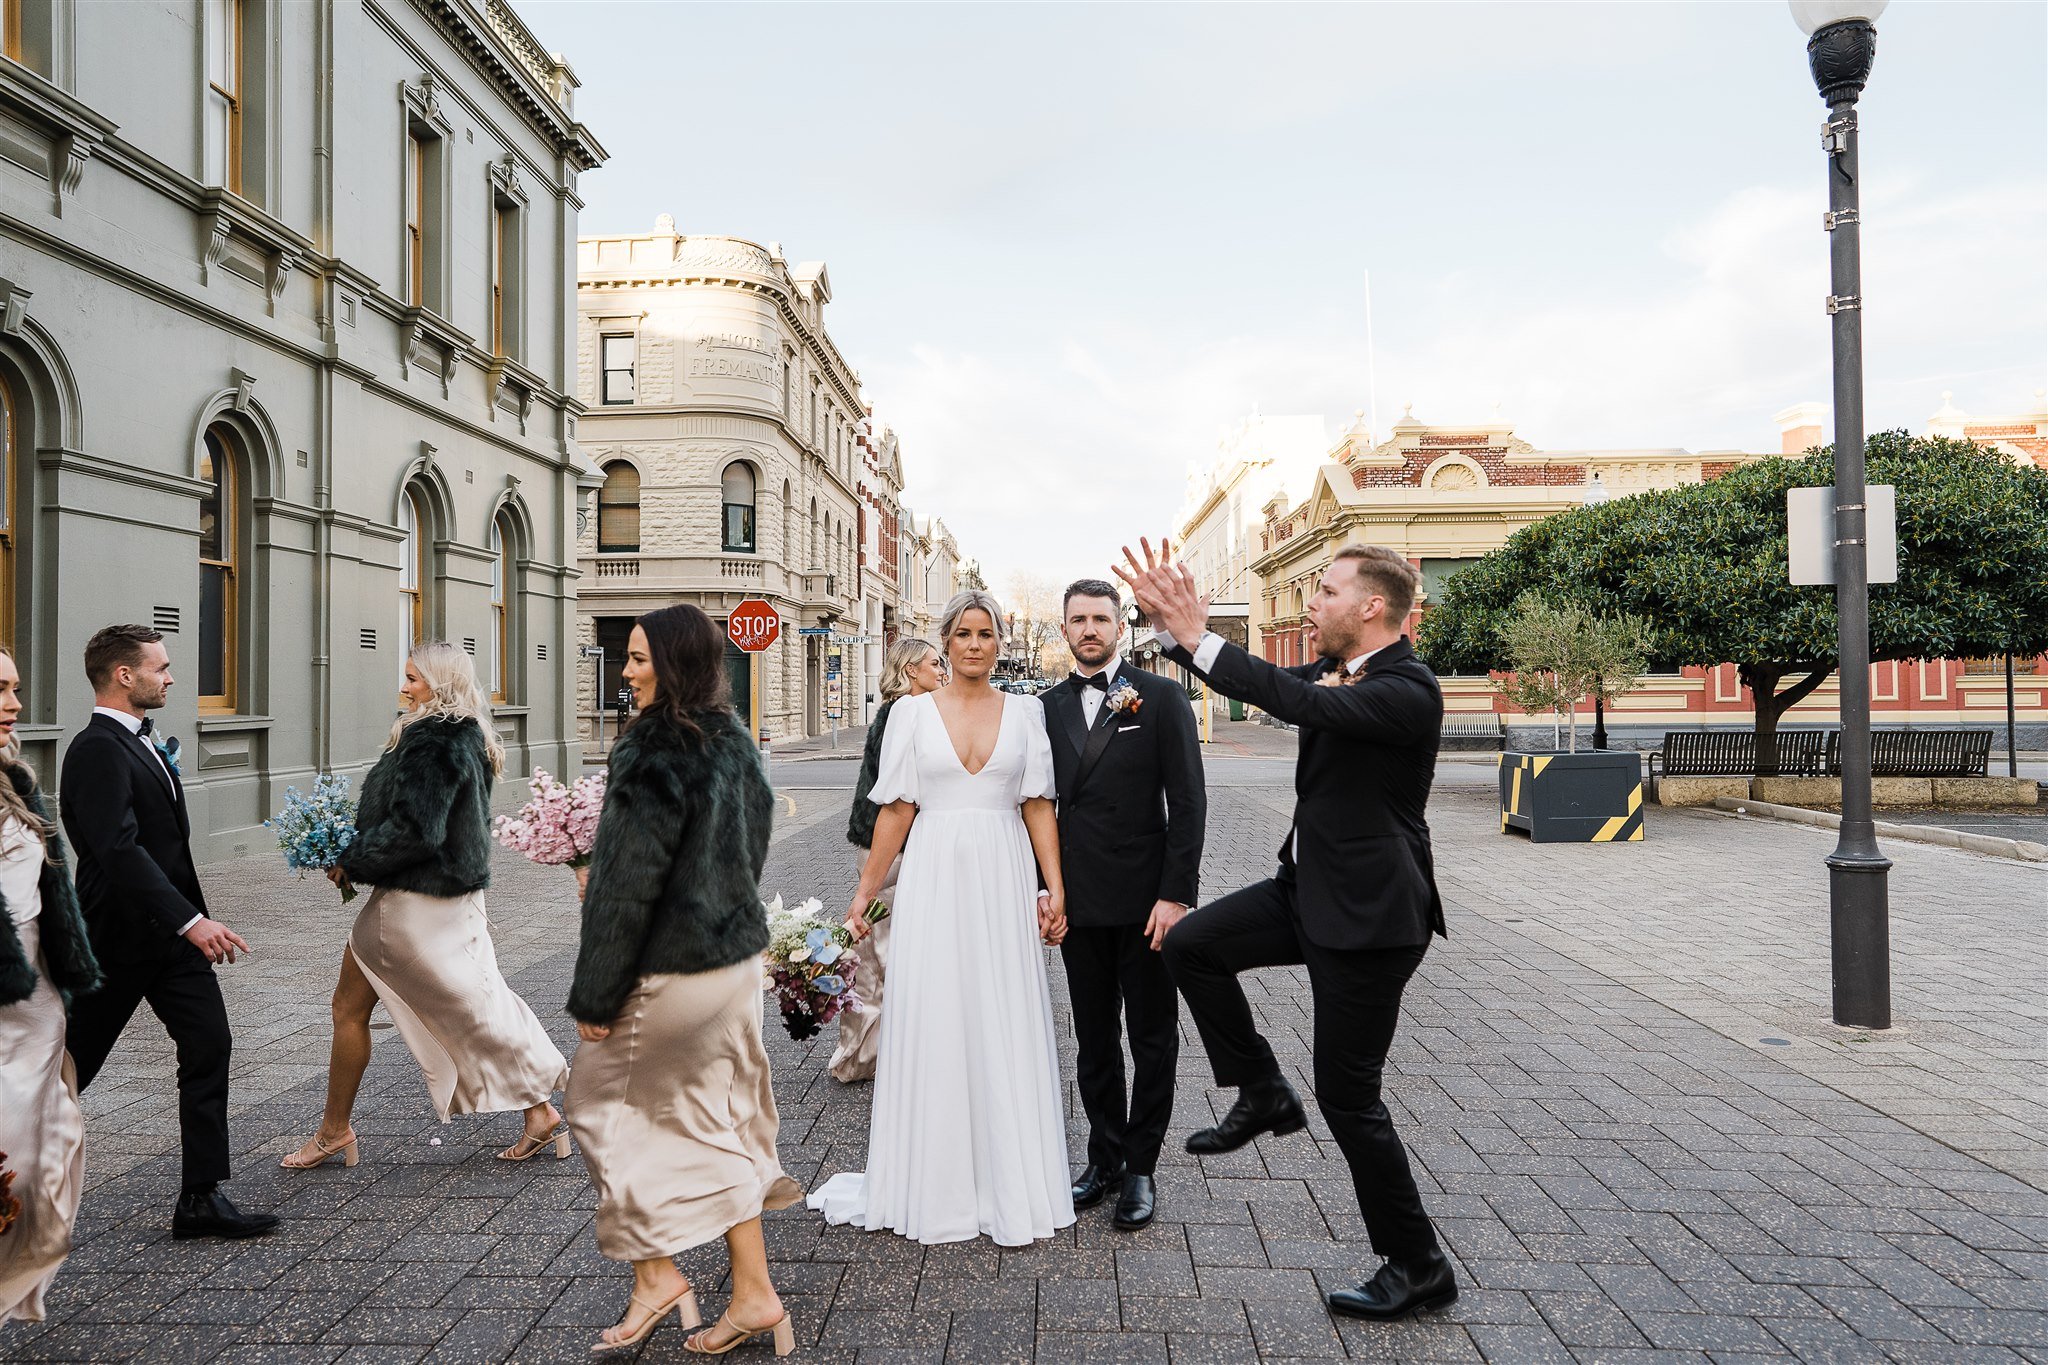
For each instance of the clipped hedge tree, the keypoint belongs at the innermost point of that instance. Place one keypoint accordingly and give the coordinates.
(1705, 565)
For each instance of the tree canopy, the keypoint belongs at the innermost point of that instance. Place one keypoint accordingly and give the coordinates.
(1705, 565)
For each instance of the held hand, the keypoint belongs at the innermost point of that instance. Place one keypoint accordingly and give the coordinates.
(1052, 918)
(340, 879)
(582, 881)
(857, 919)
(593, 1033)
(216, 940)
(1165, 914)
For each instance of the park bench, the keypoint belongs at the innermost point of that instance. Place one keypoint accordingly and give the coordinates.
(1732, 753)
(1473, 730)
(1919, 753)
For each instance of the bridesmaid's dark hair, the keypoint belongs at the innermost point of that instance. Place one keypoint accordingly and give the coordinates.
(688, 654)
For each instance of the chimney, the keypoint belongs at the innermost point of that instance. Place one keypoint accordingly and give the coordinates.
(1801, 427)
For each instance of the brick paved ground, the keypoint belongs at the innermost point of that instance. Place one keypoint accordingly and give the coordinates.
(1624, 1165)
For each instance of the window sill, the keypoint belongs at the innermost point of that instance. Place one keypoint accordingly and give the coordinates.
(221, 722)
(506, 709)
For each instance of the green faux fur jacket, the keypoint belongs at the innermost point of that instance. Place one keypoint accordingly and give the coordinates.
(675, 872)
(67, 952)
(423, 823)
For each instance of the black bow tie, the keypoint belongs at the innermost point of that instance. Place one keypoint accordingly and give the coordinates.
(148, 727)
(1098, 681)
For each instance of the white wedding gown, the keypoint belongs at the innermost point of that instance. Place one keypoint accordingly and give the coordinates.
(968, 1133)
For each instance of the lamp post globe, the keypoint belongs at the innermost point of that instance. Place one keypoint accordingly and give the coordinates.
(1840, 48)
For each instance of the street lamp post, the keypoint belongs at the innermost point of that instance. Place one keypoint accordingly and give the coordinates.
(1596, 493)
(1841, 44)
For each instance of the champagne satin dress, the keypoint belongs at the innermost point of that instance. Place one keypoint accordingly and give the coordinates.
(42, 1130)
(676, 1117)
(431, 962)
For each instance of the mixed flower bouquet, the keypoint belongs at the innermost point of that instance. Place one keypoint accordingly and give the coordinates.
(557, 827)
(313, 830)
(10, 1207)
(810, 967)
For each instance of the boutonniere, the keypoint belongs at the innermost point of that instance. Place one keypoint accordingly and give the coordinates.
(1338, 677)
(1125, 698)
(168, 750)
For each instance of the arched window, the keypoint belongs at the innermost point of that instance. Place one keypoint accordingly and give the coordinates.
(9, 444)
(412, 575)
(618, 510)
(812, 562)
(220, 519)
(739, 506)
(788, 527)
(504, 591)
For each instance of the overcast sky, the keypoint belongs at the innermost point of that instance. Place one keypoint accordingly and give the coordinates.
(1070, 245)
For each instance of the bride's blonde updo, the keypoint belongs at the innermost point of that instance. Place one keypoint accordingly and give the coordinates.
(970, 599)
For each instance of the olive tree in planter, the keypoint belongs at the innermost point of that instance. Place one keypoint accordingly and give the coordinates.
(1557, 656)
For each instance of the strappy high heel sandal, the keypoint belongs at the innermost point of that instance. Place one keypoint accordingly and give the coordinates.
(784, 1335)
(530, 1146)
(687, 1316)
(345, 1149)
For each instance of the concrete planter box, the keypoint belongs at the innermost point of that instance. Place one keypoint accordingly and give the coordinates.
(1699, 791)
(1985, 793)
(1825, 793)
(1595, 797)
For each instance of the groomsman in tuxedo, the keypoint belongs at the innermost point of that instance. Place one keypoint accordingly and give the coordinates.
(1354, 899)
(124, 810)
(1131, 810)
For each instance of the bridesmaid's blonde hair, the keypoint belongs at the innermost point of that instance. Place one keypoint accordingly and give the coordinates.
(13, 802)
(904, 656)
(457, 696)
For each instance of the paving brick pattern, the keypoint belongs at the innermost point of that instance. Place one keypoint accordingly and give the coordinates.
(1623, 1169)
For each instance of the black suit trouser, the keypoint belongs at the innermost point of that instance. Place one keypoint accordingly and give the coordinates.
(184, 995)
(1112, 971)
(1357, 1002)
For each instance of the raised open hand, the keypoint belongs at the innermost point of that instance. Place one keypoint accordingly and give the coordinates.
(1166, 591)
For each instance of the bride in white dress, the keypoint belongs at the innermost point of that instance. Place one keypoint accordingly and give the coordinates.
(968, 1132)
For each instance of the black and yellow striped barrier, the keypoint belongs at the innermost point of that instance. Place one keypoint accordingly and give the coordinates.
(1594, 797)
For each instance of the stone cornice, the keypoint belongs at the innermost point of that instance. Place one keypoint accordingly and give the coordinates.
(489, 54)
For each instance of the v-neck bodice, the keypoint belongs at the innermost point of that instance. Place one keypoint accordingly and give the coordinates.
(920, 764)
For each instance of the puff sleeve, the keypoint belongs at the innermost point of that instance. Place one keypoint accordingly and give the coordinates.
(1036, 778)
(896, 773)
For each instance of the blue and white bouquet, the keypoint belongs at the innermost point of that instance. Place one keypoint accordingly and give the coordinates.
(313, 830)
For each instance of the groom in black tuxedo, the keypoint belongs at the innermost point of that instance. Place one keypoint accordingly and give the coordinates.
(1354, 899)
(123, 808)
(1131, 811)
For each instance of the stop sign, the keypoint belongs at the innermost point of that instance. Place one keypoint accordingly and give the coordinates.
(753, 625)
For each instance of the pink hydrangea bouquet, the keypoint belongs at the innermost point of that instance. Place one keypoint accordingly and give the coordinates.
(809, 967)
(557, 827)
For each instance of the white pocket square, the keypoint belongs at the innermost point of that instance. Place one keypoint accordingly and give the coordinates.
(1122, 728)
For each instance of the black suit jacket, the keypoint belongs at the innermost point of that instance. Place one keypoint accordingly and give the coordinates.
(1132, 804)
(1365, 876)
(125, 816)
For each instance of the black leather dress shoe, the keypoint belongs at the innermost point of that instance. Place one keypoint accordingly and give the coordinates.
(209, 1213)
(1138, 1202)
(1399, 1289)
(1095, 1185)
(1273, 1108)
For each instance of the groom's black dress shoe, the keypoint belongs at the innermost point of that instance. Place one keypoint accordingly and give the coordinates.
(1399, 1289)
(209, 1213)
(1136, 1205)
(1095, 1184)
(1270, 1108)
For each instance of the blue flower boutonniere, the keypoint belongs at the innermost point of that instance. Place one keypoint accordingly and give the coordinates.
(168, 750)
